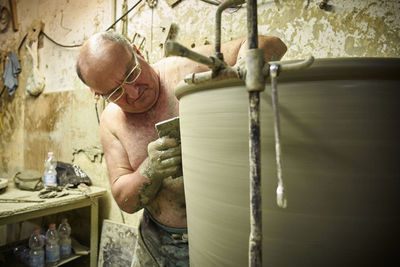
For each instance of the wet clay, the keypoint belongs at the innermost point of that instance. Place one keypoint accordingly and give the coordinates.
(339, 138)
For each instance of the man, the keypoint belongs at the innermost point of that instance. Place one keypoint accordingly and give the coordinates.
(140, 164)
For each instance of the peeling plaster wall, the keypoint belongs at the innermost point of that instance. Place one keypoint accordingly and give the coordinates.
(359, 28)
(63, 118)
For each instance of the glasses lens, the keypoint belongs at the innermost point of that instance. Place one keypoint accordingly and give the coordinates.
(134, 75)
(116, 94)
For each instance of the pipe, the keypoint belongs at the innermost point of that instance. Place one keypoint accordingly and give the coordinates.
(241, 72)
(252, 33)
(222, 7)
(298, 65)
(173, 48)
(255, 239)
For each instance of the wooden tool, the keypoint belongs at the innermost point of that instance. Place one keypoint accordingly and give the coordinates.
(13, 7)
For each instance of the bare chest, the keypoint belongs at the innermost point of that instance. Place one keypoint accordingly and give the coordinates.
(138, 130)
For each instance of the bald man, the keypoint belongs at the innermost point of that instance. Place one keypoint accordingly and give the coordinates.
(141, 165)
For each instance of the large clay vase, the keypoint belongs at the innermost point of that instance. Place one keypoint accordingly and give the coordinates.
(340, 143)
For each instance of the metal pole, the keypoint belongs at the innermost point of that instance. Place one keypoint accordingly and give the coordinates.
(255, 240)
(254, 84)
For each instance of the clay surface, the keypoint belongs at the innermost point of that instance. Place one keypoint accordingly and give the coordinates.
(339, 138)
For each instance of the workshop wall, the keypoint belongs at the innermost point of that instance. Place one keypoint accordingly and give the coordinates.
(63, 117)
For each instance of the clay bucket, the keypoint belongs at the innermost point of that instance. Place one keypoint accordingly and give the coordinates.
(340, 144)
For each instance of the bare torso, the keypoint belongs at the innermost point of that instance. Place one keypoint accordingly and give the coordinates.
(135, 132)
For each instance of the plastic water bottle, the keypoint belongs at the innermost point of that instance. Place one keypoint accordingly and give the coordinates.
(36, 253)
(64, 230)
(52, 246)
(50, 173)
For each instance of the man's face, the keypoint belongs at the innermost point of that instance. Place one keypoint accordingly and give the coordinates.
(126, 80)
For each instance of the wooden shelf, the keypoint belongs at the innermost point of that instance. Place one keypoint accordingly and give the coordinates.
(16, 212)
(70, 258)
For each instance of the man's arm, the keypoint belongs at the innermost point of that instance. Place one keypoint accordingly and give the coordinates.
(273, 47)
(124, 181)
(233, 51)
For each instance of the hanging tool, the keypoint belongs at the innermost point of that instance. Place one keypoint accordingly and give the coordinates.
(13, 6)
(125, 19)
(4, 18)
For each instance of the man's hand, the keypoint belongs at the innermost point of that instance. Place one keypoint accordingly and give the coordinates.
(164, 159)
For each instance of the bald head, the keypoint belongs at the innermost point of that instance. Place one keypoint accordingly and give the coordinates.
(99, 53)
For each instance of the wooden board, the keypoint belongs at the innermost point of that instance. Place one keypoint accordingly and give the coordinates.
(117, 244)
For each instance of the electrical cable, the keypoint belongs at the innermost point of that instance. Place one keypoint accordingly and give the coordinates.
(52, 40)
(78, 45)
(126, 13)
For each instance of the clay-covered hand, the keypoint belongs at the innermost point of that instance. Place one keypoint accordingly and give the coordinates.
(164, 159)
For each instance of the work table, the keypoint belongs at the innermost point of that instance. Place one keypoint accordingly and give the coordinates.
(21, 211)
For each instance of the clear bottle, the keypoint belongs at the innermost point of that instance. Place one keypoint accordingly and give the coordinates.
(64, 230)
(50, 173)
(36, 252)
(52, 246)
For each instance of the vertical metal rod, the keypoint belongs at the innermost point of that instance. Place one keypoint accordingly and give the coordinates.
(252, 31)
(255, 240)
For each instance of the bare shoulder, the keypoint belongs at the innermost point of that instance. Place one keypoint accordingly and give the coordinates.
(173, 69)
(110, 117)
(112, 124)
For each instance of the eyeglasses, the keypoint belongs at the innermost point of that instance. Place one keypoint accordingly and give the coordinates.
(133, 75)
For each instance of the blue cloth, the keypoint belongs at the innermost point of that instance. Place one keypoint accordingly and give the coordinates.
(10, 74)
